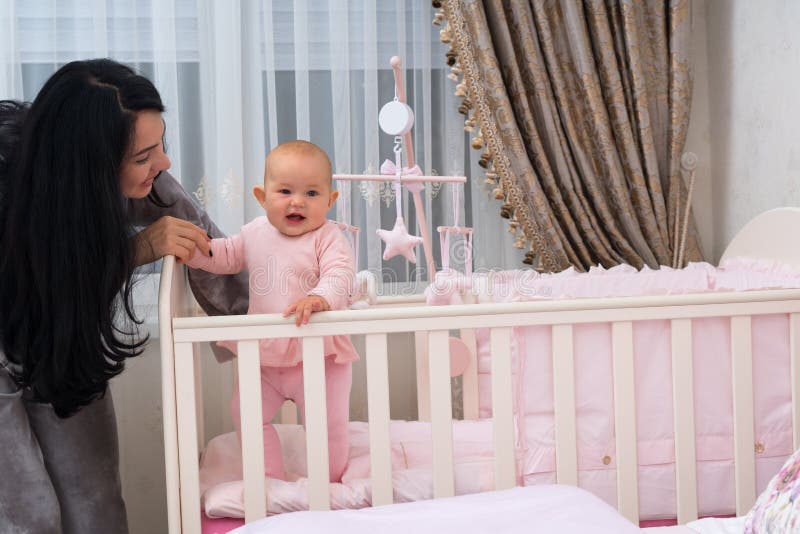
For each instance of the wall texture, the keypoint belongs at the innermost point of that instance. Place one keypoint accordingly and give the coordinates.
(753, 83)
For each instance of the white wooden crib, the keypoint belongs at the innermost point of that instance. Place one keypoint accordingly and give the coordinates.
(764, 237)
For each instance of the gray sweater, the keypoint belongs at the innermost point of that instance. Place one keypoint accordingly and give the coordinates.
(216, 294)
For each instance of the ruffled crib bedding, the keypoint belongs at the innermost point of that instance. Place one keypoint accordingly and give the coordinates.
(533, 388)
(220, 473)
(734, 274)
(221, 468)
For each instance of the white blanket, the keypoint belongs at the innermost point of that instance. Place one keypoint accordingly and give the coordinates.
(713, 525)
(532, 510)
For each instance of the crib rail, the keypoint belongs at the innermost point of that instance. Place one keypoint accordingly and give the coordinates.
(375, 324)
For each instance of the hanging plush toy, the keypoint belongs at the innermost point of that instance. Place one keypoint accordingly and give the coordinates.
(396, 119)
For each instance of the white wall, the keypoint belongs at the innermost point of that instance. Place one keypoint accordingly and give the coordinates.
(753, 85)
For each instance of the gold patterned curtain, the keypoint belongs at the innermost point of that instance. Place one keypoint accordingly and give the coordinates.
(582, 108)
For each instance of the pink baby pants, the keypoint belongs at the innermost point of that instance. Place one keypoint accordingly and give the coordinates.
(281, 383)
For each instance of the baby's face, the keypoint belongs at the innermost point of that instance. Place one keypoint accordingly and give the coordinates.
(297, 193)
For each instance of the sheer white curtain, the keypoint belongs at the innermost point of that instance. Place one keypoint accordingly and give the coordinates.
(238, 78)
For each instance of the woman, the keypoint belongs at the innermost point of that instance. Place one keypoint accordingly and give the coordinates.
(78, 169)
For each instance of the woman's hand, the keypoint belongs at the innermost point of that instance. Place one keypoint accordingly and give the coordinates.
(169, 235)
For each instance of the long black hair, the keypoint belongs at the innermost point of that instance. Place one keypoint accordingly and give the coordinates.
(66, 260)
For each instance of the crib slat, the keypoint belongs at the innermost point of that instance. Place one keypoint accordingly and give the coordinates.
(794, 344)
(378, 407)
(625, 420)
(502, 409)
(188, 457)
(564, 405)
(423, 378)
(249, 367)
(198, 401)
(469, 380)
(470, 398)
(683, 416)
(172, 283)
(316, 424)
(441, 413)
(743, 425)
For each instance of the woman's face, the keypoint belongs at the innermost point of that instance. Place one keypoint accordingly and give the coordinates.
(146, 157)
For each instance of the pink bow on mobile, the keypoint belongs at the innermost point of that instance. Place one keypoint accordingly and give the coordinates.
(388, 168)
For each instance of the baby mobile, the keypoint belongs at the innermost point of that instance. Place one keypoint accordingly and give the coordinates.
(396, 118)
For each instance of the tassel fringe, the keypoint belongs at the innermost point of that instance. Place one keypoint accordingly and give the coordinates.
(523, 228)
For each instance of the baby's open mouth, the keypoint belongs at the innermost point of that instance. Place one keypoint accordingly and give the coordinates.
(295, 217)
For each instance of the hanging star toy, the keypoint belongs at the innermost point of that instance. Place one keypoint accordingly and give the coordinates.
(399, 242)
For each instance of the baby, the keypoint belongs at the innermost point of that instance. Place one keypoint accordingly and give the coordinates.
(299, 263)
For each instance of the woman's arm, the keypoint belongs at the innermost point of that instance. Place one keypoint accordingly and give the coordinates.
(216, 294)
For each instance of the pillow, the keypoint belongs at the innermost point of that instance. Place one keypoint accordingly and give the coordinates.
(778, 507)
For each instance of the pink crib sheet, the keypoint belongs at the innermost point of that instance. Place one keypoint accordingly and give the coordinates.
(221, 525)
(532, 368)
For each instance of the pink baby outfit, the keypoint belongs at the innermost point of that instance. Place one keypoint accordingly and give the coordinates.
(283, 269)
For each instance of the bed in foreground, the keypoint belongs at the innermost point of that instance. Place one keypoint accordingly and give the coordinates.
(543, 509)
(533, 509)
